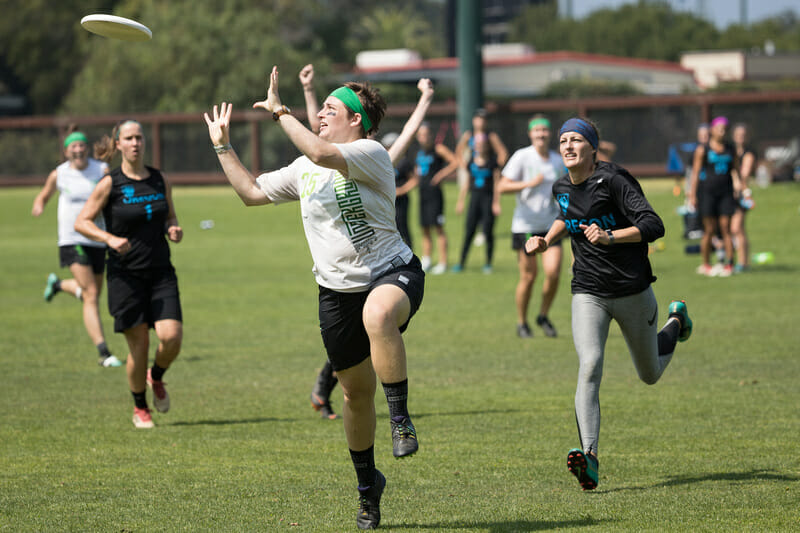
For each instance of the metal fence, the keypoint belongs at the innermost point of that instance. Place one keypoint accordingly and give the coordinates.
(642, 127)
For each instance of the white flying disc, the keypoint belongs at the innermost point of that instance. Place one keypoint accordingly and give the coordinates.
(116, 27)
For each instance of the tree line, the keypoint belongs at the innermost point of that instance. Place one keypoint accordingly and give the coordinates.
(206, 51)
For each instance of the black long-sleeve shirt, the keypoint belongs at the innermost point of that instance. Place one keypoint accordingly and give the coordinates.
(612, 199)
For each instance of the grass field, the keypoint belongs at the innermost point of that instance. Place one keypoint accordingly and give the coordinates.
(709, 448)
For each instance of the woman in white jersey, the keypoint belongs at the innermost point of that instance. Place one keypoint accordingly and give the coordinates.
(75, 179)
(530, 173)
(370, 283)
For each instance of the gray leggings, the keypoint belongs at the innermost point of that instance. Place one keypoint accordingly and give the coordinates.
(636, 316)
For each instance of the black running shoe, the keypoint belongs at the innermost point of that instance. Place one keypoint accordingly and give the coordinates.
(369, 503)
(547, 326)
(404, 437)
(524, 331)
(323, 407)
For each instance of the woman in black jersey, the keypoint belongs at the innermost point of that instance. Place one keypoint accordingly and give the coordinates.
(610, 222)
(716, 198)
(136, 202)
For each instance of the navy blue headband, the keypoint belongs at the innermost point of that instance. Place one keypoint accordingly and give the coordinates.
(580, 126)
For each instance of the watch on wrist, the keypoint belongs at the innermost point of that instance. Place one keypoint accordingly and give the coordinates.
(610, 237)
(282, 111)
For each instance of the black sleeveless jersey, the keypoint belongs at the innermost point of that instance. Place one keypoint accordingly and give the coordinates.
(717, 167)
(138, 211)
(612, 199)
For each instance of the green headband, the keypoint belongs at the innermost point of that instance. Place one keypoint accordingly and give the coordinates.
(350, 99)
(75, 136)
(538, 122)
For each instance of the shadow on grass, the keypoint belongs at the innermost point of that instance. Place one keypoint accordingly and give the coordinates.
(503, 527)
(726, 477)
(260, 420)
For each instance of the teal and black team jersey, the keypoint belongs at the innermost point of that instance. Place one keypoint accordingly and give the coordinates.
(717, 168)
(612, 199)
(138, 210)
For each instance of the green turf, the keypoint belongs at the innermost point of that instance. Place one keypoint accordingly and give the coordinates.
(708, 448)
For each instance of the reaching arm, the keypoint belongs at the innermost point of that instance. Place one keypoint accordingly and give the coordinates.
(399, 147)
(243, 182)
(319, 151)
(312, 107)
(44, 195)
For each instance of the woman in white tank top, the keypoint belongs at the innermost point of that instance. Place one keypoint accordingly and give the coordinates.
(75, 180)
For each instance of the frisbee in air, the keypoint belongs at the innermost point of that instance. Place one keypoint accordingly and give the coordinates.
(115, 27)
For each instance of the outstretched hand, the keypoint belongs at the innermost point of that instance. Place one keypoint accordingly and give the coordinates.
(219, 127)
(273, 101)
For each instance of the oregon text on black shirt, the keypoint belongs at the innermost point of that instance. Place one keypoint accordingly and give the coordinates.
(612, 199)
(138, 210)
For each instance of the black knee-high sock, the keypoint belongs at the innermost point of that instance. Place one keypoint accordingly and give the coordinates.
(397, 398)
(140, 399)
(364, 463)
(326, 381)
(668, 337)
(157, 372)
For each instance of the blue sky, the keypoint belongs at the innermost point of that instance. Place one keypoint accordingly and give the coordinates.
(721, 12)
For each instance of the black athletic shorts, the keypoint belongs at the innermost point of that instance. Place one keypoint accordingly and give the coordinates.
(340, 314)
(92, 256)
(431, 207)
(143, 297)
(518, 240)
(716, 203)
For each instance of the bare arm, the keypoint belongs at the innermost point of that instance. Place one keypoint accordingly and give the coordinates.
(312, 107)
(748, 163)
(399, 147)
(538, 244)
(499, 148)
(45, 194)
(405, 188)
(173, 229)
(447, 171)
(242, 180)
(507, 185)
(319, 151)
(85, 225)
(697, 165)
(496, 193)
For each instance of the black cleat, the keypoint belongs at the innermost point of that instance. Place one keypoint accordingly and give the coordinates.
(404, 437)
(524, 331)
(547, 326)
(369, 503)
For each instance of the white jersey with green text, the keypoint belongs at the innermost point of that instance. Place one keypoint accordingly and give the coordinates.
(535, 210)
(349, 221)
(74, 188)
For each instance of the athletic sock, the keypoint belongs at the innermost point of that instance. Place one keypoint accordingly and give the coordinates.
(668, 336)
(397, 398)
(364, 463)
(57, 286)
(326, 381)
(140, 399)
(102, 349)
(79, 293)
(157, 372)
